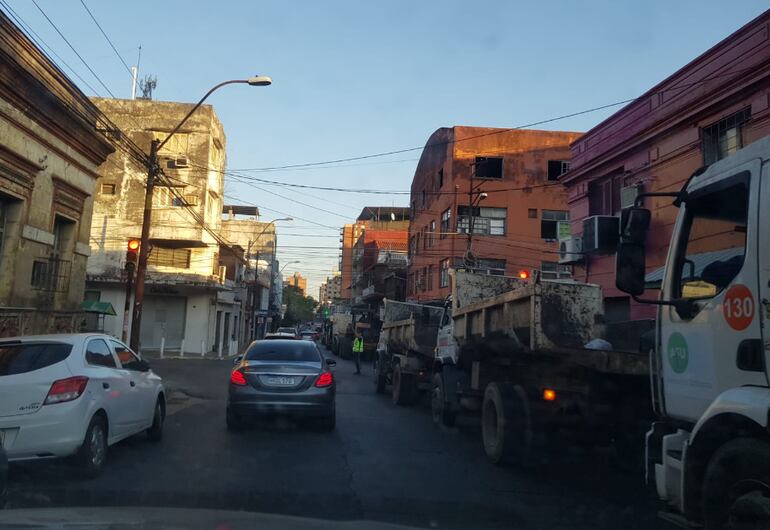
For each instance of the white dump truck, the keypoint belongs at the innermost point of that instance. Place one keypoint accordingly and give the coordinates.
(708, 454)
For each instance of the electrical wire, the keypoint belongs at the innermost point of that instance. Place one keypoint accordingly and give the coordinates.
(107, 38)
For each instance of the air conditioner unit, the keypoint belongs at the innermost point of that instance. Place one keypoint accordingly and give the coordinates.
(601, 234)
(628, 194)
(222, 273)
(178, 163)
(570, 250)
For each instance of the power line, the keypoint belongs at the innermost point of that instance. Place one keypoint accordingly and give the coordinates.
(73, 48)
(107, 38)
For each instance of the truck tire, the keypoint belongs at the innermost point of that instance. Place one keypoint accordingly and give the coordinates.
(380, 377)
(439, 404)
(505, 424)
(736, 486)
(403, 387)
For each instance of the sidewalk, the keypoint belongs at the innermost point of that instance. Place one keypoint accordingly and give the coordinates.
(175, 354)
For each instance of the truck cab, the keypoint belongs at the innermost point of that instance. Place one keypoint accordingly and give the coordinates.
(708, 454)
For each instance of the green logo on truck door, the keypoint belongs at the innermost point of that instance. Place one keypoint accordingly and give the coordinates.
(677, 353)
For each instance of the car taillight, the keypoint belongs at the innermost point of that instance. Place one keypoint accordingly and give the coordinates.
(237, 378)
(66, 390)
(325, 379)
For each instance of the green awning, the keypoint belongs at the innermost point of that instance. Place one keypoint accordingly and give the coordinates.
(95, 306)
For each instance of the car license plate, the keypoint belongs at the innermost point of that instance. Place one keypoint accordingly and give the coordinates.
(281, 381)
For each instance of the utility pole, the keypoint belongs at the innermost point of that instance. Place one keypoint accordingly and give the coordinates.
(144, 246)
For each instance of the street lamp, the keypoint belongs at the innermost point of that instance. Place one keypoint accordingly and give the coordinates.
(286, 264)
(152, 172)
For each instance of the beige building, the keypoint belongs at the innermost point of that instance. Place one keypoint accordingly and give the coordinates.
(331, 289)
(49, 155)
(191, 301)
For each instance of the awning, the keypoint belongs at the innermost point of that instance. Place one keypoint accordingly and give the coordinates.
(95, 306)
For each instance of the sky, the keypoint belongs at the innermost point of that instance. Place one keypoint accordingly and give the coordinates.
(353, 78)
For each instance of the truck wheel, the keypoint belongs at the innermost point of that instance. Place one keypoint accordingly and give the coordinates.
(380, 379)
(736, 487)
(505, 425)
(403, 386)
(439, 405)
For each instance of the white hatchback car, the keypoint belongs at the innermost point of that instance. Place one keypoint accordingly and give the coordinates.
(63, 395)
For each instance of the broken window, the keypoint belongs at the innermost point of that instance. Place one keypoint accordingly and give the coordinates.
(486, 221)
(557, 168)
(549, 223)
(446, 223)
(488, 167)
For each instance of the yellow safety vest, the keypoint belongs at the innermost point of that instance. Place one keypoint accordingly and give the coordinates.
(358, 345)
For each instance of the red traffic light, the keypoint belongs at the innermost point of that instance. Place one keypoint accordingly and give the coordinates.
(133, 244)
(523, 274)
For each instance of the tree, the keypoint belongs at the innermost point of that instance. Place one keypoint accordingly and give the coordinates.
(299, 308)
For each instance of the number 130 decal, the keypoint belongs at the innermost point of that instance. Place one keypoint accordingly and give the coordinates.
(738, 307)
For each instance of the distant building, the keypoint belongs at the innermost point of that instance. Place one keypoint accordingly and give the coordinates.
(331, 289)
(371, 217)
(506, 181)
(191, 298)
(298, 281)
(703, 112)
(50, 151)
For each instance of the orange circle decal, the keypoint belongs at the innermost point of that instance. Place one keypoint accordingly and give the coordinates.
(738, 307)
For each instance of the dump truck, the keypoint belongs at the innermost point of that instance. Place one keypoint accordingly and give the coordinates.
(529, 357)
(406, 348)
(708, 452)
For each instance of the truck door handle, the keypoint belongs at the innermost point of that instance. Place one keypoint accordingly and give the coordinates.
(106, 386)
(132, 383)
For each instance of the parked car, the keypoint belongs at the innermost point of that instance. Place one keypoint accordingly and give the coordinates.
(64, 395)
(282, 377)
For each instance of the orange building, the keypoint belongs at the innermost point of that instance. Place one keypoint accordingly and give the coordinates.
(349, 234)
(502, 181)
(298, 281)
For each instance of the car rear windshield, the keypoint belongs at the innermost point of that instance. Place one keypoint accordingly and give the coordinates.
(286, 330)
(16, 358)
(275, 350)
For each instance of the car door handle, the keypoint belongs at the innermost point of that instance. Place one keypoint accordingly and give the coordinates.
(106, 386)
(132, 383)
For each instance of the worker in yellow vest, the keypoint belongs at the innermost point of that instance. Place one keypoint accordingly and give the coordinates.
(358, 349)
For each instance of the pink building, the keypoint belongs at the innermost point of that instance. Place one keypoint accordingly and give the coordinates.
(707, 110)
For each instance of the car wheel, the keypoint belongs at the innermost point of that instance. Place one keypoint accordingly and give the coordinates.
(403, 387)
(234, 423)
(380, 379)
(155, 432)
(92, 455)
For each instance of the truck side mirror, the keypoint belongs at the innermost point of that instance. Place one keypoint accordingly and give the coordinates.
(630, 268)
(634, 223)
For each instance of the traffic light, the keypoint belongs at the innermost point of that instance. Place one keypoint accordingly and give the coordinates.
(132, 249)
(524, 274)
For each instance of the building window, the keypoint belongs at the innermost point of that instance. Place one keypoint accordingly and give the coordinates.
(432, 233)
(423, 198)
(441, 178)
(443, 279)
(446, 223)
(166, 197)
(170, 257)
(414, 209)
(549, 223)
(51, 275)
(604, 196)
(108, 189)
(551, 270)
(430, 277)
(486, 221)
(417, 243)
(425, 236)
(412, 248)
(557, 168)
(532, 213)
(724, 137)
(424, 279)
(488, 167)
(495, 267)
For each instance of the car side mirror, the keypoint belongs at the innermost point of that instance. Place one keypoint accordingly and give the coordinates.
(142, 365)
(331, 362)
(238, 359)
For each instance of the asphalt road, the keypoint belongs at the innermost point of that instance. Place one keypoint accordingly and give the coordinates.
(382, 463)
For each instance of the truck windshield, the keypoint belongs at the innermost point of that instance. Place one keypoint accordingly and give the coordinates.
(713, 239)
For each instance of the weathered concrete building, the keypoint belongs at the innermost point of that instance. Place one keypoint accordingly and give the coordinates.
(190, 299)
(511, 178)
(705, 111)
(258, 240)
(49, 154)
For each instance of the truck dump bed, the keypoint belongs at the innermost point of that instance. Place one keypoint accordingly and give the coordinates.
(411, 328)
(503, 315)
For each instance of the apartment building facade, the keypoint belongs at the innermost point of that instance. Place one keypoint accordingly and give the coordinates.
(503, 182)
